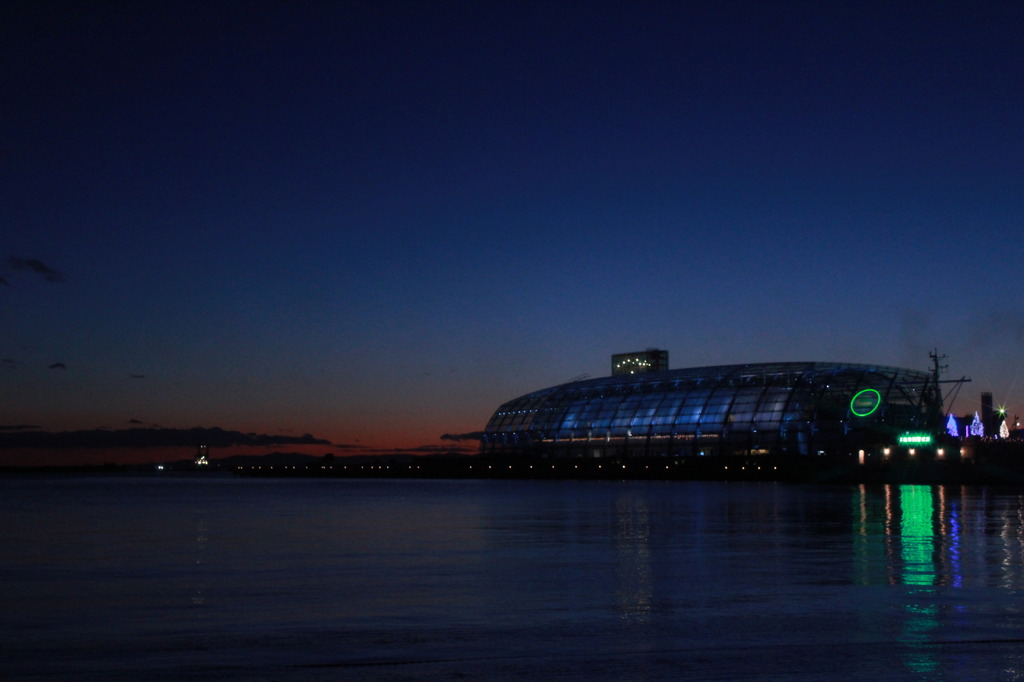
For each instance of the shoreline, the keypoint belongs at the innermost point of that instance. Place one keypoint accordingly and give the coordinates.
(982, 463)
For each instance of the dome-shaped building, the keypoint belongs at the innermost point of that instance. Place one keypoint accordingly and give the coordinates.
(784, 408)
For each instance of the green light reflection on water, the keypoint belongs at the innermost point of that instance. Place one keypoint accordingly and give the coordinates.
(917, 543)
(917, 535)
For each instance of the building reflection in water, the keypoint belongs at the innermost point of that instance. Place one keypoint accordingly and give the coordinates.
(920, 537)
(632, 542)
(909, 535)
(202, 535)
(918, 521)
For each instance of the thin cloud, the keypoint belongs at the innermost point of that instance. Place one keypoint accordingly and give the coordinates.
(58, 365)
(37, 266)
(438, 449)
(419, 450)
(347, 446)
(473, 435)
(139, 422)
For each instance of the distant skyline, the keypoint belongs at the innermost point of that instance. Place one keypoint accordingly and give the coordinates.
(374, 222)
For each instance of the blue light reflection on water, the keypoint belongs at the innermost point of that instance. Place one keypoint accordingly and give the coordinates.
(229, 578)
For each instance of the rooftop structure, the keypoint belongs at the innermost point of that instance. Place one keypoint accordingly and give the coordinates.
(650, 360)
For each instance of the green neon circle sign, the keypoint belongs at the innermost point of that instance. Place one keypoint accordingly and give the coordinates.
(865, 402)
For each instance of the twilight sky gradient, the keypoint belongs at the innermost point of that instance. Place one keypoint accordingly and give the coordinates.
(375, 221)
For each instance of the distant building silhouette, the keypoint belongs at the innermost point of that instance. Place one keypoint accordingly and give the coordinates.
(988, 415)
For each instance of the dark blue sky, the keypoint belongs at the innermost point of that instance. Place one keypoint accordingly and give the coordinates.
(375, 222)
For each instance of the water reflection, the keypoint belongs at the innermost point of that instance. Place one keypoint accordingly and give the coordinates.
(511, 580)
(938, 536)
(632, 535)
(201, 549)
(918, 521)
(935, 541)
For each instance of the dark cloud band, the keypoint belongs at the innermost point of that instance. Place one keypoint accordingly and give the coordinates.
(147, 437)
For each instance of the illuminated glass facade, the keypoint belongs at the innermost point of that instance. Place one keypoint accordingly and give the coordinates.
(797, 408)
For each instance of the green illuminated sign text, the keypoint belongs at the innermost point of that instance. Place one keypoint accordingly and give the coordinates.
(915, 439)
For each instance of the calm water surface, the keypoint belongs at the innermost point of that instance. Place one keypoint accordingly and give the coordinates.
(223, 578)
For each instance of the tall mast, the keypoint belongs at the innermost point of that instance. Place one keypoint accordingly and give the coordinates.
(936, 407)
(937, 368)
